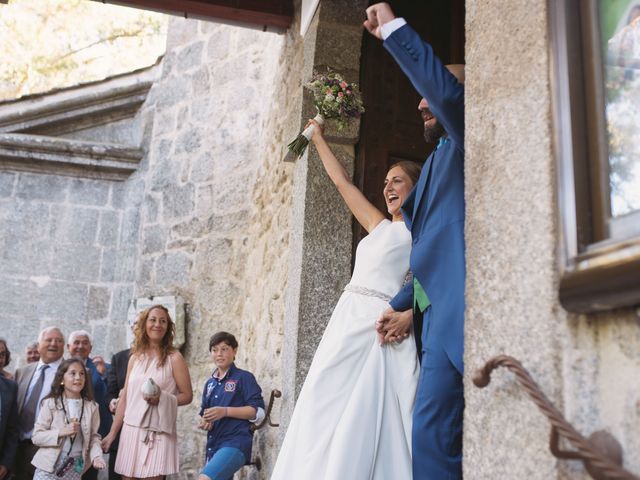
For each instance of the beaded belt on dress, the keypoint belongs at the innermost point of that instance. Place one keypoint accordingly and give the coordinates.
(367, 291)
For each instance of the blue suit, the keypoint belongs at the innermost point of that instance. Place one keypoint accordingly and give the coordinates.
(8, 422)
(434, 212)
(100, 397)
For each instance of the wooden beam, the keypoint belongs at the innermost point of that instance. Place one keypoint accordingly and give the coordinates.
(267, 13)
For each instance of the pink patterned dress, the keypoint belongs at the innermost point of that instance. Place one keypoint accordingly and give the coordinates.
(141, 453)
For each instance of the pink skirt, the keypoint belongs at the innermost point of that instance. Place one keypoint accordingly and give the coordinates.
(158, 456)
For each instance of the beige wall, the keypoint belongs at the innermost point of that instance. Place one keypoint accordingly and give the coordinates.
(587, 365)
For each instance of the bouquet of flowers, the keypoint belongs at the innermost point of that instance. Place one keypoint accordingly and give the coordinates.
(333, 98)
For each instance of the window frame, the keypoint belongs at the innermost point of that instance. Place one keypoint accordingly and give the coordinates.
(598, 271)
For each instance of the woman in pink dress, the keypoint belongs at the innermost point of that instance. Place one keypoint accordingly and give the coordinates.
(157, 383)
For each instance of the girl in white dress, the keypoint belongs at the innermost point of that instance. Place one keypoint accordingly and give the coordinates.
(352, 419)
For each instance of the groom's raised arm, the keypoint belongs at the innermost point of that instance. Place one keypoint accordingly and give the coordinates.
(426, 72)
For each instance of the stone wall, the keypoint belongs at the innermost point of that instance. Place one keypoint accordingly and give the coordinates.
(587, 365)
(217, 202)
(69, 226)
(222, 224)
(66, 258)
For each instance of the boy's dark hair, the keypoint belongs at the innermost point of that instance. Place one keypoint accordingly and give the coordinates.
(221, 337)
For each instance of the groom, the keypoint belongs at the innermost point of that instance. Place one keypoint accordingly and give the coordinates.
(434, 212)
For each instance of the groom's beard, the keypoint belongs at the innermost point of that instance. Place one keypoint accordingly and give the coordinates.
(432, 133)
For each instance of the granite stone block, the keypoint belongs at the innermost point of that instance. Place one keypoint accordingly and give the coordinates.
(173, 269)
(190, 56)
(201, 82)
(193, 228)
(101, 341)
(154, 239)
(98, 303)
(121, 296)
(214, 259)
(7, 182)
(188, 142)
(63, 301)
(119, 192)
(108, 265)
(89, 192)
(130, 228)
(126, 265)
(75, 225)
(202, 170)
(20, 220)
(80, 263)
(49, 188)
(25, 256)
(176, 91)
(17, 297)
(150, 209)
(109, 229)
(165, 123)
(218, 47)
(178, 201)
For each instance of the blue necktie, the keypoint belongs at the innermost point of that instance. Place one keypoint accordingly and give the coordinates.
(28, 414)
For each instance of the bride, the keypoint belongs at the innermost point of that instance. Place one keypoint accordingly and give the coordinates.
(352, 419)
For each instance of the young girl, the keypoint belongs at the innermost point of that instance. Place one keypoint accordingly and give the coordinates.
(67, 427)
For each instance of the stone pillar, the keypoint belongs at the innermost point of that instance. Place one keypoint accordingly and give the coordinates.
(510, 235)
(321, 238)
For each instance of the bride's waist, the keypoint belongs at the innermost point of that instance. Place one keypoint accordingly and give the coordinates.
(368, 292)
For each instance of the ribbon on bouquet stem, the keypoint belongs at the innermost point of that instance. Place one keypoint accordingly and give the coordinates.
(299, 145)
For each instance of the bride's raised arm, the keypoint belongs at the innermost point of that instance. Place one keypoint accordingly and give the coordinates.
(365, 212)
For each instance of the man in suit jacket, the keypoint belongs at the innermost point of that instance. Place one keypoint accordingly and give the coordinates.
(116, 377)
(80, 345)
(8, 425)
(434, 212)
(34, 383)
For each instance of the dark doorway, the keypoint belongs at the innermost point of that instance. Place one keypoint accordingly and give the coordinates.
(391, 128)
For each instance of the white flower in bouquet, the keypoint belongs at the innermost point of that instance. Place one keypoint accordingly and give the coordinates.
(333, 98)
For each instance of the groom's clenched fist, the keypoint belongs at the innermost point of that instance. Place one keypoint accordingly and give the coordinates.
(378, 15)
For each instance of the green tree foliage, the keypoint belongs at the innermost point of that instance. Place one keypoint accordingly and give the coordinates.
(48, 44)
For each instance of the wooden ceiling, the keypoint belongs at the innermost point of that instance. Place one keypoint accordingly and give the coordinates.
(261, 13)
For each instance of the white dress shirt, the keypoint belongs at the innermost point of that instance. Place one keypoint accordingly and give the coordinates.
(49, 373)
(388, 28)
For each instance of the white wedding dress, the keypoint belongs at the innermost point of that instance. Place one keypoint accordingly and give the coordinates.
(352, 419)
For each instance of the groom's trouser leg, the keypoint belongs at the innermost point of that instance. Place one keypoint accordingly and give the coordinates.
(437, 416)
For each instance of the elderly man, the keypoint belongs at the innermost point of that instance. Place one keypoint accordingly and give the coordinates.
(34, 383)
(80, 346)
(31, 354)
